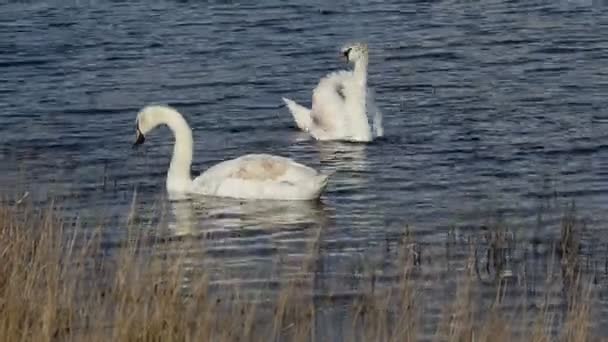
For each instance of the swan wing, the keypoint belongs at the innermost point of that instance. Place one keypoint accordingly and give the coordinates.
(340, 76)
(339, 110)
(337, 113)
(301, 114)
(332, 90)
(329, 105)
(262, 176)
(328, 96)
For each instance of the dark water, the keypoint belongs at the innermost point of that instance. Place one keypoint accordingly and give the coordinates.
(494, 111)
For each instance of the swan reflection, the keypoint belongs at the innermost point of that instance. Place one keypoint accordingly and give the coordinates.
(351, 165)
(340, 156)
(204, 215)
(241, 243)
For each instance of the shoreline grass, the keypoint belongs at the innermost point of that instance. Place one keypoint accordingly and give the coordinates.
(57, 284)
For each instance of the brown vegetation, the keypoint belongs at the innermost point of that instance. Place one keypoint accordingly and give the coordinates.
(56, 284)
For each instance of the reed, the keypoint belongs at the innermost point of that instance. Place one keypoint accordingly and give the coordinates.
(58, 284)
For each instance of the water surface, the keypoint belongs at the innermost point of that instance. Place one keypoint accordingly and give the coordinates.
(495, 111)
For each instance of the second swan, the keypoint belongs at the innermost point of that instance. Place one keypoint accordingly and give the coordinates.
(341, 103)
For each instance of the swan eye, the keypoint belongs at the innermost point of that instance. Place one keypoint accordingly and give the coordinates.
(346, 52)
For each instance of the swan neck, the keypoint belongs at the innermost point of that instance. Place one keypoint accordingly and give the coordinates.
(358, 119)
(360, 71)
(178, 176)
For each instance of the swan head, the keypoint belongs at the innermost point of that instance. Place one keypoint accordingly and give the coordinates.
(147, 119)
(354, 52)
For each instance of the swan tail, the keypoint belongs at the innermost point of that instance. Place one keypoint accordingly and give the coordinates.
(300, 114)
(319, 183)
(324, 178)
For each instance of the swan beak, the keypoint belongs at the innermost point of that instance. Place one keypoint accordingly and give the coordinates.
(139, 139)
(345, 53)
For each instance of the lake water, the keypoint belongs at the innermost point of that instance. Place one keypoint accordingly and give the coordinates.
(494, 111)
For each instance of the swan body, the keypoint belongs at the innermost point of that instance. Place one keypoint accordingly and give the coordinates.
(252, 176)
(341, 104)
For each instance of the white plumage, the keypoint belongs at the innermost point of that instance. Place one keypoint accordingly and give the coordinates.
(342, 104)
(252, 176)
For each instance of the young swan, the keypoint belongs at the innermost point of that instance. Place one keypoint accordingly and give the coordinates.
(252, 176)
(341, 103)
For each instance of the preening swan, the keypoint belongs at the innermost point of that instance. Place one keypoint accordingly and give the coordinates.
(252, 176)
(341, 103)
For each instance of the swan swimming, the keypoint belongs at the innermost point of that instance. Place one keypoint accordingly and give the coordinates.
(252, 176)
(341, 103)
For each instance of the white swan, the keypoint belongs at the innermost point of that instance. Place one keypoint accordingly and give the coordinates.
(253, 176)
(341, 103)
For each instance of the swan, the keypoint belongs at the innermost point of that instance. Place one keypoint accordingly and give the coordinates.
(341, 103)
(252, 176)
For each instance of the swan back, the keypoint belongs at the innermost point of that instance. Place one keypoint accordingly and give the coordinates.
(261, 176)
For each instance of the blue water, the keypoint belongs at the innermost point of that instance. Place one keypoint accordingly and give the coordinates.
(494, 111)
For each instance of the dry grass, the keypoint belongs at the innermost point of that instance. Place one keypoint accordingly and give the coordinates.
(57, 284)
